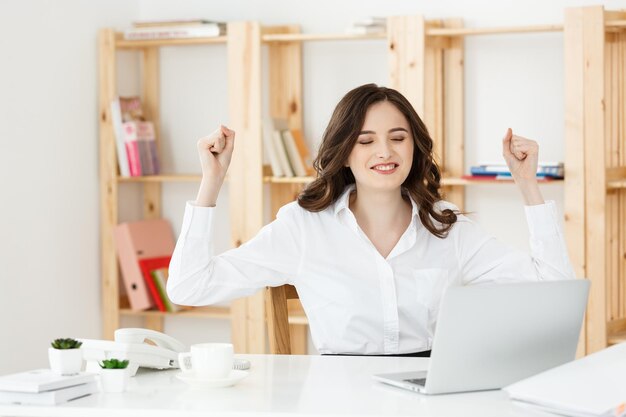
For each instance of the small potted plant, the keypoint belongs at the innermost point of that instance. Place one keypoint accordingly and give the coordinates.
(114, 375)
(65, 356)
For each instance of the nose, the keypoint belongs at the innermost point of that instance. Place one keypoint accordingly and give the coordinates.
(383, 151)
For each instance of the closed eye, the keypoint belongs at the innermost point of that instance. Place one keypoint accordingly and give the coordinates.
(398, 139)
(365, 142)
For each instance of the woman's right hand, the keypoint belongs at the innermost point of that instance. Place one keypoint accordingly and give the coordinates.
(215, 152)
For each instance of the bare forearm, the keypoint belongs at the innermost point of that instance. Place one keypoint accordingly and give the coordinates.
(530, 192)
(208, 192)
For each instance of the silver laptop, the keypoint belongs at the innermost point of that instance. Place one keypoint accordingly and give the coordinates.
(491, 336)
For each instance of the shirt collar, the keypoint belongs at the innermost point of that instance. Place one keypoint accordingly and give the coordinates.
(343, 202)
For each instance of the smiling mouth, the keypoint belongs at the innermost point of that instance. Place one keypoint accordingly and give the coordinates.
(385, 167)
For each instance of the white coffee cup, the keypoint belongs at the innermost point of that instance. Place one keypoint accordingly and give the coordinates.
(208, 360)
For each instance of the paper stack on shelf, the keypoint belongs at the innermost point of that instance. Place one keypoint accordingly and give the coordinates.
(175, 29)
(369, 25)
(44, 387)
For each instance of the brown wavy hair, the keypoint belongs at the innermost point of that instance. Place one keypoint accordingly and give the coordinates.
(340, 136)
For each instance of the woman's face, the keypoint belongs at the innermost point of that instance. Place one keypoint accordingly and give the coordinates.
(383, 153)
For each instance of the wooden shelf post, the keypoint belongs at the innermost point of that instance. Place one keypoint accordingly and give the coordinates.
(249, 333)
(108, 184)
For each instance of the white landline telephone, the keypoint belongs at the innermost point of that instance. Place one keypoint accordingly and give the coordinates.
(142, 347)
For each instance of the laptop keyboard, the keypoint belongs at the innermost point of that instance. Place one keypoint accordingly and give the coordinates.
(417, 381)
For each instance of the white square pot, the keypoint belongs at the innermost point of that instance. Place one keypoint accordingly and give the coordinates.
(114, 380)
(65, 361)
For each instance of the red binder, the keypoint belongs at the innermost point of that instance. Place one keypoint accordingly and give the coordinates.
(135, 241)
(147, 266)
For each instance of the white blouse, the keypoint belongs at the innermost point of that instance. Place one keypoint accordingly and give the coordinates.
(355, 300)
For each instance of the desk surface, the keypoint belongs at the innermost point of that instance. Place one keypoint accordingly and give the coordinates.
(287, 385)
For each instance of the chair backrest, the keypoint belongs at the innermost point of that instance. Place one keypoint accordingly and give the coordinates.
(278, 317)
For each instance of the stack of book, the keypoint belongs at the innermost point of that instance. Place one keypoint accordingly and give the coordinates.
(286, 150)
(135, 138)
(144, 249)
(175, 29)
(545, 171)
(44, 387)
(369, 25)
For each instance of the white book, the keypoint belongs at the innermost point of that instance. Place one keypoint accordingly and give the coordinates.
(40, 380)
(174, 32)
(270, 150)
(116, 119)
(592, 386)
(366, 30)
(371, 21)
(282, 154)
(53, 397)
(292, 153)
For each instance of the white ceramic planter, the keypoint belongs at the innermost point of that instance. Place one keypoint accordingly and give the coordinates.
(65, 361)
(114, 380)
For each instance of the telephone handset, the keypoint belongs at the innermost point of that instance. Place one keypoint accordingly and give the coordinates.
(142, 347)
(137, 335)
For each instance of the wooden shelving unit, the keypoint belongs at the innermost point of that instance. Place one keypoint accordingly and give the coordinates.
(425, 63)
(595, 193)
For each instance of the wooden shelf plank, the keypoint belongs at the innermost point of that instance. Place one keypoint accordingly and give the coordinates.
(301, 37)
(121, 43)
(207, 312)
(492, 31)
(162, 178)
(616, 184)
(617, 337)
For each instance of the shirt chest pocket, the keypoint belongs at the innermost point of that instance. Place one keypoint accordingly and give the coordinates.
(430, 284)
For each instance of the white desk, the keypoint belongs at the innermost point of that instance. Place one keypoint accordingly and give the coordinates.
(288, 385)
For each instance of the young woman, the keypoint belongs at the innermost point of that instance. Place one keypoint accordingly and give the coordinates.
(369, 245)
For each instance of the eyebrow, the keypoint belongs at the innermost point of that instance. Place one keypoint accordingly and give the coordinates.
(395, 129)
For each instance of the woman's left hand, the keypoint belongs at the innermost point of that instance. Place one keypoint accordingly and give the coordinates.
(521, 155)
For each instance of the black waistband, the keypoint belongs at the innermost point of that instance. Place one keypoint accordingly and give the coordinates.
(424, 354)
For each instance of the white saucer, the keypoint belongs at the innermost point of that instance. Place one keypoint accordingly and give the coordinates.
(196, 381)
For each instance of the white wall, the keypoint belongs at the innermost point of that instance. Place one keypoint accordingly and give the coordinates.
(49, 254)
(49, 222)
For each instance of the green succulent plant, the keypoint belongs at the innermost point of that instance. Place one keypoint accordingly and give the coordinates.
(66, 343)
(114, 364)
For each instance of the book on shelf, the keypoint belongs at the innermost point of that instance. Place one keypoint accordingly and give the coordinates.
(135, 138)
(553, 170)
(52, 397)
(141, 141)
(152, 270)
(279, 145)
(291, 150)
(116, 120)
(160, 276)
(293, 153)
(204, 30)
(368, 25)
(135, 241)
(40, 380)
(501, 177)
(174, 22)
(270, 150)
